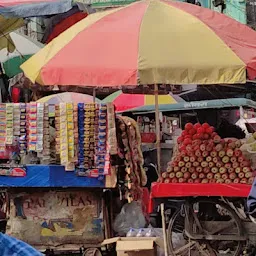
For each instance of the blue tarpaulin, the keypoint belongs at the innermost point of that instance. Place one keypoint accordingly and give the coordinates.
(10, 246)
(34, 8)
(49, 176)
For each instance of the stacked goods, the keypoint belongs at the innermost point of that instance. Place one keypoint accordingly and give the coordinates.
(203, 157)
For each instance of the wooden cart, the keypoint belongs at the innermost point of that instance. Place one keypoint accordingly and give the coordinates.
(205, 219)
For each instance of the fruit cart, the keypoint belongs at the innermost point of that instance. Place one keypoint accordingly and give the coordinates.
(204, 189)
(205, 219)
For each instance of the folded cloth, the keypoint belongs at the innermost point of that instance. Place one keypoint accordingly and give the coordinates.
(14, 247)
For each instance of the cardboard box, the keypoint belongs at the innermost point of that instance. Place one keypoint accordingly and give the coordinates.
(135, 246)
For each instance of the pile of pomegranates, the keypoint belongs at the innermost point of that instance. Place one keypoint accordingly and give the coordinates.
(203, 157)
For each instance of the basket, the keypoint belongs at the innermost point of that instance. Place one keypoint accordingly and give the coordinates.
(148, 137)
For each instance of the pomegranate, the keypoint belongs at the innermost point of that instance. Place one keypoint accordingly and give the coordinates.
(214, 170)
(238, 169)
(167, 180)
(194, 176)
(182, 180)
(195, 164)
(235, 165)
(210, 176)
(243, 181)
(188, 165)
(227, 181)
(232, 176)
(199, 169)
(176, 169)
(237, 152)
(186, 159)
(174, 180)
(208, 159)
(197, 125)
(187, 175)
(217, 176)
(222, 170)
(165, 175)
(181, 164)
(224, 176)
(189, 126)
(225, 159)
(172, 175)
(211, 164)
(217, 139)
(233, 159)
(179, 175)
(230, 152)
(204, 164)
(201, 175)
(213, 153)
(184, 169)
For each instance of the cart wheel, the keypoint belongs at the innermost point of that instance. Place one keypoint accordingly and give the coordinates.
(212, 217)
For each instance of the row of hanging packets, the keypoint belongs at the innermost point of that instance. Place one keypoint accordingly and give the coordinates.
(63, 135)
(111, 144)
(32, 126)
(89, 126)
(9, 124)
(70, 132)
(2, 127)
(75, 118)
(22, 136)
(102, 139)
(81, 118)
(57, 129)
(40, 127)
(45, 154)
(16, 119)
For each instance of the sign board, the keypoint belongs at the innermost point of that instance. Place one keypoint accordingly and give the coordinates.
(54, 218)
(251, 13)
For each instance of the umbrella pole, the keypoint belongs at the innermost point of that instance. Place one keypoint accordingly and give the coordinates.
(158, 132)
(94, 95)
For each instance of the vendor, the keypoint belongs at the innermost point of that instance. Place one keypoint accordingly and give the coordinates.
(228, 130)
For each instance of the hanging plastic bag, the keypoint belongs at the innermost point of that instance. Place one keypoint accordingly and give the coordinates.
(131, 216)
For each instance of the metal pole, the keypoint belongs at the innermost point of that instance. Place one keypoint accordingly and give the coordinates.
(158, 132)
(94, 95)
(164, 230)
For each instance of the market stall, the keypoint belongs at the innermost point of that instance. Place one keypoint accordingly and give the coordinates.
(140, 53)
(204, 188)
(83, 145)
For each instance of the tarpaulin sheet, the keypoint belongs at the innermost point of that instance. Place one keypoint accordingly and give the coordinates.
(185, 189)
(49, 176)
(34, 8)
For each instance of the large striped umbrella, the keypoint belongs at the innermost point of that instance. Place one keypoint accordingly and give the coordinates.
(148, 42)
(124, 102)
(67, 97)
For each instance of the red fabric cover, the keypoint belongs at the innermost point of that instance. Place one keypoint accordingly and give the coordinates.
(15, 95)
(65, 24)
